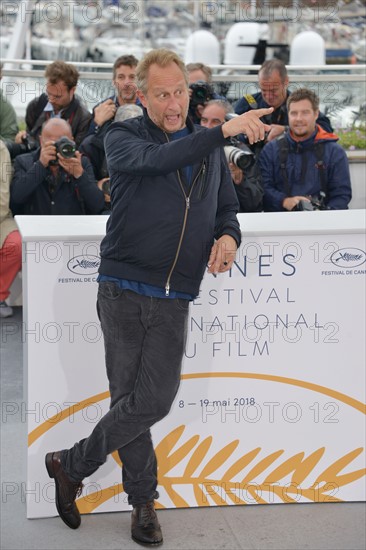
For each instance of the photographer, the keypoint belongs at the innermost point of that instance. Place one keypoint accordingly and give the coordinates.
(93, 148)
(201, 89)
(273, 82)
(241, 160)
(59, 101)
(124, 76)
(305, 169)
(55, 179)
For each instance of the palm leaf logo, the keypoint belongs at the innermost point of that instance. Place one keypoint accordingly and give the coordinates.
(238, 481)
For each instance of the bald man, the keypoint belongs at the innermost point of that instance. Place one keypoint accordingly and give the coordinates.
(45, 182)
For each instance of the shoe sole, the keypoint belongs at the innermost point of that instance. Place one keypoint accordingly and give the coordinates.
(51, 473)
(142, 543)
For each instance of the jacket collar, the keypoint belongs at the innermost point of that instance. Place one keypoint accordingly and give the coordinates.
(319, 134)
(152, 126)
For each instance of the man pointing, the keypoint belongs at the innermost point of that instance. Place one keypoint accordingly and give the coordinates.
(173, 214)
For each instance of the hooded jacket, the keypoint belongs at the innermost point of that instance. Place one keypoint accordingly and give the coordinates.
(161, 229)
(303, 172)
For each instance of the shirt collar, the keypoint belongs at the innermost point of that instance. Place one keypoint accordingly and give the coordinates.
(49, 108)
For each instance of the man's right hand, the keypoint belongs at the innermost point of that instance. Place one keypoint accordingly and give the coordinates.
(20, 135)
(289, 203)
(249, 124)
(105, 111)
(48, 152)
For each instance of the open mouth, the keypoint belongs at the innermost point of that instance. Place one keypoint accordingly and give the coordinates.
(172, 119)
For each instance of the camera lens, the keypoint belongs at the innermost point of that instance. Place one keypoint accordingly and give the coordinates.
(65, 147)
(240, 158)
(67, 150)
(201, 93)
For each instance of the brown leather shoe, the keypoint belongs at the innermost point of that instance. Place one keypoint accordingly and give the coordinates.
(66, 491)
(145, 528)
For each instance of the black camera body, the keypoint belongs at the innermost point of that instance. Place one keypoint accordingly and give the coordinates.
(314, 203)
(106, 186)
(28, 144)
(239, 154)
(66, 147)
(202, 92)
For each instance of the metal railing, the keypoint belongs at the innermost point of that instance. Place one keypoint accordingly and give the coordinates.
(341, 88)
(222, 73)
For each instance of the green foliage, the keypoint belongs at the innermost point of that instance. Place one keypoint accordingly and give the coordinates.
(352, 138)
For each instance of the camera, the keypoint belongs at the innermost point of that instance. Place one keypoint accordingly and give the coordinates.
(261, 143)
(106, 187)
(239, 154)
(29, 143)
(314, 203)
(66, 147)
(202, 92)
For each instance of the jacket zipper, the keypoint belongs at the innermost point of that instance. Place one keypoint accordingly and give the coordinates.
(188, 204)
(202, 186)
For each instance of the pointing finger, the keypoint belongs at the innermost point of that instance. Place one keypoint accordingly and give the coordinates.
(263, 112)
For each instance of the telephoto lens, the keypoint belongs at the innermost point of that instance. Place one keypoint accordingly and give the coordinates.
(241, 156)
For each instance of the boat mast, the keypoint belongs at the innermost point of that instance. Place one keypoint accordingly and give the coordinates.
(20, 32)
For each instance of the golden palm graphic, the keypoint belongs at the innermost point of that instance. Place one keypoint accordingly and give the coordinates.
(237, 485)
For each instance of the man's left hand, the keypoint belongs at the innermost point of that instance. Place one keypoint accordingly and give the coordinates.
(236, 173)
(72, 166)
(222, 255)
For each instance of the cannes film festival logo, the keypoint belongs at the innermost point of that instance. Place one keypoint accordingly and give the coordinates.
(84, 265)
(348, 257)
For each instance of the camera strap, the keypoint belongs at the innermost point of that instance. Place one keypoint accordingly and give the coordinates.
(318, 149)
(251, 101)
(40, 115)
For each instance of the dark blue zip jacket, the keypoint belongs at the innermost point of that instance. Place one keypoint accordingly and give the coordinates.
(303, 174)
(161, 230)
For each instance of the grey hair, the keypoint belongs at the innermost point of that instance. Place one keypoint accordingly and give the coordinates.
(161, 57)
(224, 103)
(272, 65)
(124, 112)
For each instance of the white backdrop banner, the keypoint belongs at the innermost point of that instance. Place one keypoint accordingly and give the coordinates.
(271, 407)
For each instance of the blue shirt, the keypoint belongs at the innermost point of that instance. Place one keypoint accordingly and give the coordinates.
(145, 289)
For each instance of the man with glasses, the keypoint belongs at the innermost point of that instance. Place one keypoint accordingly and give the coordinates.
(59, 101)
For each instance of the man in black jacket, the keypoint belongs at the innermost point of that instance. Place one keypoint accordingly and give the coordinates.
(59, 101)
(45, 182)
(173, 213)
(124, 76)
